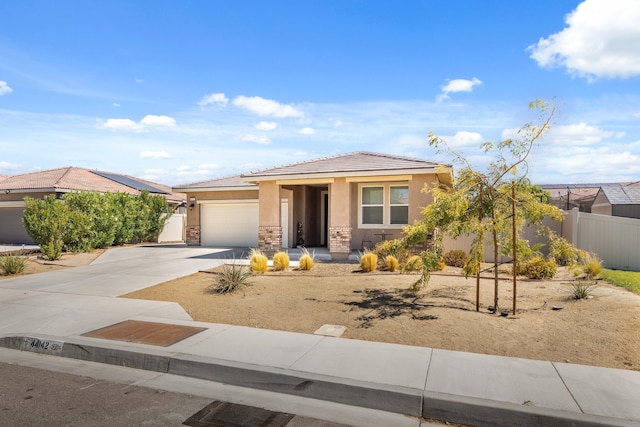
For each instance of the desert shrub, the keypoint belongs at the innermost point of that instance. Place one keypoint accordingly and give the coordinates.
(391, 263)
(257, 261)
(590, 266)
(538, 267)
(396, 248)
(280, 261)
(306, 260)
(581, 289)
(230, 279)
(369, 262)
(563, 252)
(455, 258)
(13, 263)
(430, 262)
(414, 263)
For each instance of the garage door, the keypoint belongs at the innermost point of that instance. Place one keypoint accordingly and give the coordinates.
(11, 228)
(229, 224)
(234, 224)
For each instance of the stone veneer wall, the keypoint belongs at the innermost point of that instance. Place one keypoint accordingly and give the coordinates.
(193, 235)
(270, 239)
(340, 239)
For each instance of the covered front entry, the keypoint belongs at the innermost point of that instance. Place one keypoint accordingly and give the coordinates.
(233, 224)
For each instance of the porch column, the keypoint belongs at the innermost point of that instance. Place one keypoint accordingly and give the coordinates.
(269, 227)
(339, 219)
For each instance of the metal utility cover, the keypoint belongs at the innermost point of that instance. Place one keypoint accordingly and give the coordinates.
(160, 334)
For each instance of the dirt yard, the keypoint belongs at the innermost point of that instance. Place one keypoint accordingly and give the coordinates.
(36, 264)
(603, 330)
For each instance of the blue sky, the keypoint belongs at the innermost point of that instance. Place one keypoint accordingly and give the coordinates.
(178, 92)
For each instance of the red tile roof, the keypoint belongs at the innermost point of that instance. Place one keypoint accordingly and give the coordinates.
(76, 179)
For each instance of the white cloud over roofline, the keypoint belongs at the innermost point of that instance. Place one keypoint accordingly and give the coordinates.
(601, 39)
(266, 107)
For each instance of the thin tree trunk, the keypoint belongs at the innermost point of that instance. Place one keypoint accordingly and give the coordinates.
(495, 270)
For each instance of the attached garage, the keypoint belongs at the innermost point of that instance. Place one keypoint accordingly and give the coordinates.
(234, 224)
(11, 229)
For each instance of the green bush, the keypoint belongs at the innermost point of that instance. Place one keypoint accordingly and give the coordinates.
(13, 264)
(414, 263)
(85, 220)
(563, 252)
(538, 267)
(396, 248)
(230, 279)
(456, 258)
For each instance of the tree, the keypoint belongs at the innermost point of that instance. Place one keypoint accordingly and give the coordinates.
(483, 203)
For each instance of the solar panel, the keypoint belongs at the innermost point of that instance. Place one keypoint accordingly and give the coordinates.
(130, 182)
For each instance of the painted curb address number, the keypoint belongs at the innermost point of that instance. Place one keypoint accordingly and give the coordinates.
(40, 345)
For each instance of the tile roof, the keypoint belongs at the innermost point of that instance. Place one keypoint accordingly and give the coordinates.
(78, 179)
(228, 182)
(355, 163)
(622, 195)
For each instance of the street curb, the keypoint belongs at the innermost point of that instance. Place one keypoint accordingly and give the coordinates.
(396, 399)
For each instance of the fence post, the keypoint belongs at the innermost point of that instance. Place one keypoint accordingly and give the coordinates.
(575, 218)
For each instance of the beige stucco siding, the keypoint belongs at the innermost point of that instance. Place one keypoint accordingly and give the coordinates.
(193, 216)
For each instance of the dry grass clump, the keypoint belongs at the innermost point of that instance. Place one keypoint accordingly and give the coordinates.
(369, 262)
(306, 260)
(391, 263)
(258, 261)
(280, 261)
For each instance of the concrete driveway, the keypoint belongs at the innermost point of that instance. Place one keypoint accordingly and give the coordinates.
(74, 300)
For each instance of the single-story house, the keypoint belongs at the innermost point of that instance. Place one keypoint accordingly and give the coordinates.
(345, 203)
(617, 200)
(13, 190)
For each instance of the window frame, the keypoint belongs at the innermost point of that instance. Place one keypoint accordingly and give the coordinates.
(386, 205)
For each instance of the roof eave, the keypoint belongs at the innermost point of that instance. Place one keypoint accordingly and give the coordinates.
(202, 189)
(256, 178)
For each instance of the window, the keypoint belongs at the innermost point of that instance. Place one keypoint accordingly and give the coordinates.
(399, 205)
(384, 205)
(373, 205)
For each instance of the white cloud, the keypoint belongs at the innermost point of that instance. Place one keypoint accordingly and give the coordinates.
(151, 120)
(214, 98)
(154, 155)
(184, 168)
(120, 124)
(4, 88)
(578, 135)
(458, 85)
(266, 107)
(266, 126)
(307, 131)
(129, 125)
(116, 105)
(337, 123)
(260, 139)
(138, 80)
(601, 39)
(464, 139)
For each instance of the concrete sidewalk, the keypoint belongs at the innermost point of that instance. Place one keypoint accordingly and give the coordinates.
(48, 313)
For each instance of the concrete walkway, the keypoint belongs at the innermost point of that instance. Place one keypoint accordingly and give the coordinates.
(48, 313)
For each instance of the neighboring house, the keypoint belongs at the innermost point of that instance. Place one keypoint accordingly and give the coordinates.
(345, 203)
(618, 200)
(13, 190)
(569, 196)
